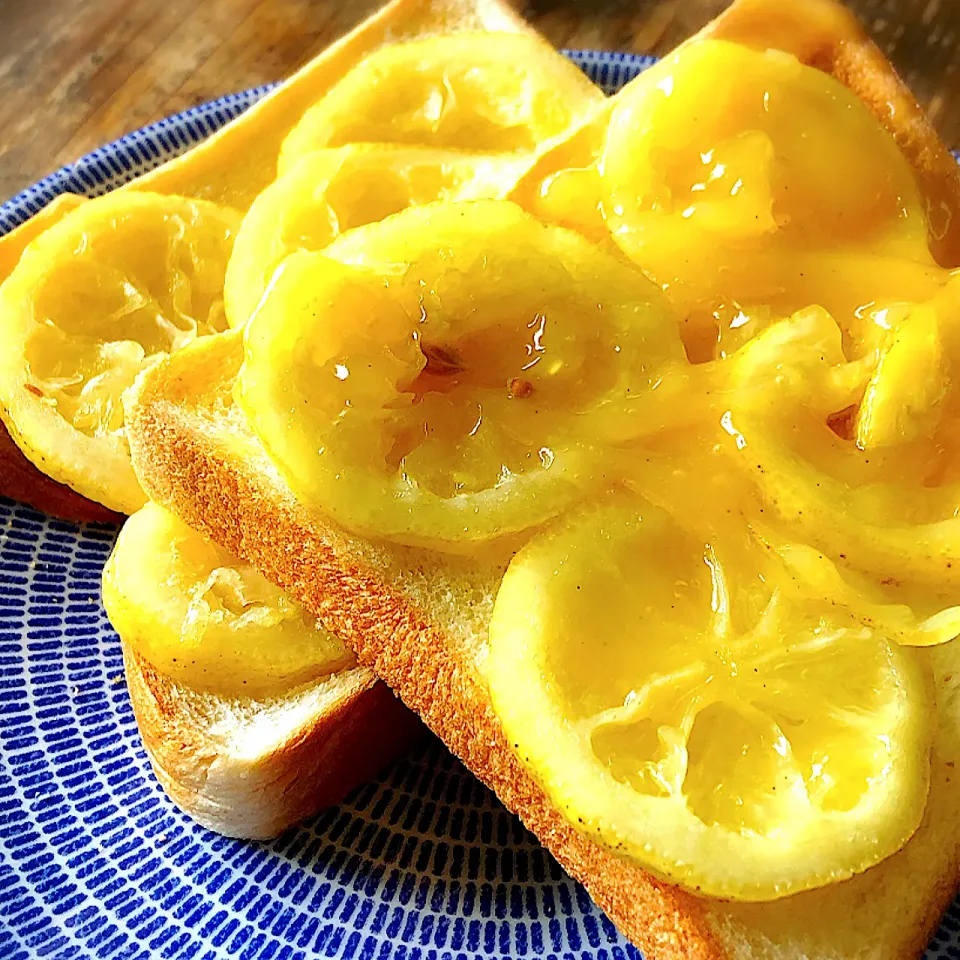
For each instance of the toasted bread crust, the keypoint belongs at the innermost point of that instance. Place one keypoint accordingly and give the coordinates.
(295, 548)
(258, 793)
(825, 35)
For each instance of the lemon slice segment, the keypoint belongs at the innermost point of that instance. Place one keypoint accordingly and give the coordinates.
(887, 515)
(687, 715)
(119, 282)
(564, 184)
(207, 619)
(478, 91)
(331, 191)
(417, 382)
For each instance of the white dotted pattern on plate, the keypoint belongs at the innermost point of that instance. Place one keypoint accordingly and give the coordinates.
(96, 863)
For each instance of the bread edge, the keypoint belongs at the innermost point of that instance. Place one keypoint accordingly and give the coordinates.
(257, 797)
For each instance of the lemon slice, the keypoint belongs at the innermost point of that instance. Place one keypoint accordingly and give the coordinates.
(418, 382)
(888, 516)
(750, 169)
(480, 91)
(738, 203)
(564, 184)
(207, 619)
(330, 191)
(686, 714)
(119, 282)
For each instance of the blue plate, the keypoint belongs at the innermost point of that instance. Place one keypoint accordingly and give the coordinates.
(95, 862)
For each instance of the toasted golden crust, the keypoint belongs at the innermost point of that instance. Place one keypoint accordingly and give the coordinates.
(825, 35)
(255, 776)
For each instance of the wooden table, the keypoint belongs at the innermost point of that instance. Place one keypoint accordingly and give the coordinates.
(77, 73)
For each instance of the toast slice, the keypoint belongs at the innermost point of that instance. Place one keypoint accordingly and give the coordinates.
(420, 622)
(242, 756)
(252, 768)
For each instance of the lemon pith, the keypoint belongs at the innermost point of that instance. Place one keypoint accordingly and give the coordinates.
(207, 619)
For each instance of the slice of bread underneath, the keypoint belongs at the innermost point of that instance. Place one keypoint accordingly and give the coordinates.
(419, 620)
(251, 768)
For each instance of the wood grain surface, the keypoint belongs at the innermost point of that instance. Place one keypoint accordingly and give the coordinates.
(75, 74)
